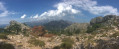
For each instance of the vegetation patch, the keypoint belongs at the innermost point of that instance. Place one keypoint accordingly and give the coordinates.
(68, 40)
(115, 34)
(67, 44)
(4, 45)
(104, 35)
(38, 31)
(56, 47)
(93, 28)
(36, 42)
(3, 36)
(14, 28)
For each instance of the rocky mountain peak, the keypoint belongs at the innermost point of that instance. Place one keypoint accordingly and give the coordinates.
(108, 22)
(96, 20)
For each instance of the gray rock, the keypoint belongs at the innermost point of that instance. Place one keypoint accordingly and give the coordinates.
(96, 20)
(106, 19)
(109, 17)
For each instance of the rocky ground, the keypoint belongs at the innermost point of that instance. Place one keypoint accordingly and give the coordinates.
(21, 42)
(85, 41)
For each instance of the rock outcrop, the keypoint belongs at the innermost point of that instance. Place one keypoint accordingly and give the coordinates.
(96, 20)
(108, 22)
(105, 33)
(106, 19)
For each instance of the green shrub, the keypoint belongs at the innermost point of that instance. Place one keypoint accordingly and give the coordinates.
(104, 35)
(68, 40)
(56, 47)
(4, 45)
(90, 37)
(14, 28)
(3, 36)
(36, 42)
(66, 45)
(93, 28)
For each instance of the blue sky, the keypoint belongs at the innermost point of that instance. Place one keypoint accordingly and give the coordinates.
(72, 10)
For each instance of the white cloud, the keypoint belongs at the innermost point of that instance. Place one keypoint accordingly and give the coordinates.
(4, 10)
(68, 8)
(23, 16)
(61, 11)
(36, 16)
(92, 7)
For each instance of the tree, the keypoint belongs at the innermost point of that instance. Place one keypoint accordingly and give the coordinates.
(14, 28)
(38, 30)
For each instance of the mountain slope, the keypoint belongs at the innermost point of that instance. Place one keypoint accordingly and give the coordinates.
(36, 23)
(57, 25)
(77, 28)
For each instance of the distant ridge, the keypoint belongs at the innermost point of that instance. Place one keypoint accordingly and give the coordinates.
(3, 25)
(57, 25)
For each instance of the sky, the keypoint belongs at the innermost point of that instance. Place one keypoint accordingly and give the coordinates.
(72, 10)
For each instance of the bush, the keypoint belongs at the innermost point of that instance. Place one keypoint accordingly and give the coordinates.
(93, 28)
(36, 42)
(68, 40)
(56, 47)
(3, 36)
(66, 45)
(38, 31)
(14, 28)
(4, 45)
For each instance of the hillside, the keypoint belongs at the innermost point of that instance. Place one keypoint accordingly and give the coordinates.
(56, 26)
(77, 28)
